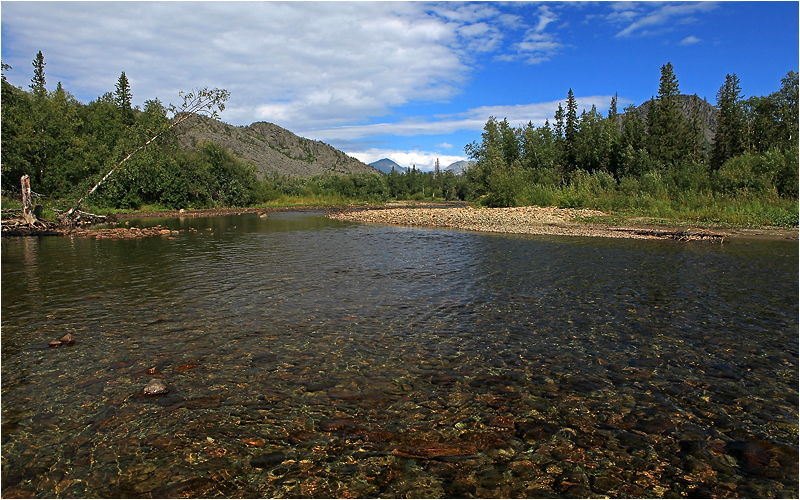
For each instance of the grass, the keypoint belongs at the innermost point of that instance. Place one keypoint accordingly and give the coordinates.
(710, 210)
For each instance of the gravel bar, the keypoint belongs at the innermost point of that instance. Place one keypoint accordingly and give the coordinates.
(520, 220)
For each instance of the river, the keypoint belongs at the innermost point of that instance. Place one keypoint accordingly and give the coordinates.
(308, 357)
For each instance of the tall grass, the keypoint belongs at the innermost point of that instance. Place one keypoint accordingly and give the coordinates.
(676, 196)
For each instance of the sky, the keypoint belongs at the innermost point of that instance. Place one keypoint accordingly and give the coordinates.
(409, 81)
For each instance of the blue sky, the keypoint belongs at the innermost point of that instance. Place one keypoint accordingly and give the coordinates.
(411, 81)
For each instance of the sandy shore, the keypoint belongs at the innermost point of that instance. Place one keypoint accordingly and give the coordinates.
(540, 220)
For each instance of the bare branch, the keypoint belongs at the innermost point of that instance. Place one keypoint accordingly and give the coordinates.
(205, 101)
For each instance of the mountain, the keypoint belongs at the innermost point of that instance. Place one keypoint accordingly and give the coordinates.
(708, 114)
(273, 149)
(386, 165)
(460, 167)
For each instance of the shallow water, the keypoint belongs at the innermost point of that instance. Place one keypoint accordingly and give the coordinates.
(307, 357)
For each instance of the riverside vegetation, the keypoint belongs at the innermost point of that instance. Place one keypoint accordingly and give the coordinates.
(740, 168)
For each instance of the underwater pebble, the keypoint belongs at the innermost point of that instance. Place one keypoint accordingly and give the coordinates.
(155, 387)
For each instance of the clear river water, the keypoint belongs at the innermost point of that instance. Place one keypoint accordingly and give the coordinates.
(308, 357)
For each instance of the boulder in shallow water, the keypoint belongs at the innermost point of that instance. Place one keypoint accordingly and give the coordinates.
(155, 387)
(55, 343)
(68, 339)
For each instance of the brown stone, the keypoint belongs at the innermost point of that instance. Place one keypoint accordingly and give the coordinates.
(55, 343)
(186, 366)
(68, 339)
(254, 441)
(434, 450)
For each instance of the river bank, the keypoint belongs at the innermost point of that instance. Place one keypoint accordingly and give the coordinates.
(452, 215)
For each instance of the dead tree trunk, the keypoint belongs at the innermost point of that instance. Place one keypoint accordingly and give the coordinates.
(27, 205)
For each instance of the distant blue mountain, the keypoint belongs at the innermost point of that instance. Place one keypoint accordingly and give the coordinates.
(386, 165)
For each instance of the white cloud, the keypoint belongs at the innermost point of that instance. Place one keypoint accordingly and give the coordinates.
(296, 63)
(690, 40)
(473, 119)
(422, 160)
(445, 145)
(536, 46)
(663, 15)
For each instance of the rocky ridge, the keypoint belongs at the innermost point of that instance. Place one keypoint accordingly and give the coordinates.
(272, 149)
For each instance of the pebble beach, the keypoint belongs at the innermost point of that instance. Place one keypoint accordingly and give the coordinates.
(520, 220)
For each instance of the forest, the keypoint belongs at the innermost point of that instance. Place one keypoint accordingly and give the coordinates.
(661, 164)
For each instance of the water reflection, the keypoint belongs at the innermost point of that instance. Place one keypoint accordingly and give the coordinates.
(317, 358)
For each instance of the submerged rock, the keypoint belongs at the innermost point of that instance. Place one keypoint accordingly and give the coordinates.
(155, 387)
(263, 461)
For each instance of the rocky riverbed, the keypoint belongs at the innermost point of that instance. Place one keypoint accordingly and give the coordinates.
(527, 220)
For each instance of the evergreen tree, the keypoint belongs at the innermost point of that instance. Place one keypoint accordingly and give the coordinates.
(38, 144)
(123, 97)
(38, 81)
(572, 117)
(559, 117)
(666, 124)
(570, 131)
(696, 134)
(611, 138)
(730, 135)
(633, 129)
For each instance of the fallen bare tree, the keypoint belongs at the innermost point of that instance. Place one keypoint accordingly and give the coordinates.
(205, 101)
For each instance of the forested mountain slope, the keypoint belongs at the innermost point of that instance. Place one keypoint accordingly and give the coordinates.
(273, 149)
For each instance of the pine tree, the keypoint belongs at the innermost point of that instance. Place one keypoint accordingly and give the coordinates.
(38, 81)
(729, 140)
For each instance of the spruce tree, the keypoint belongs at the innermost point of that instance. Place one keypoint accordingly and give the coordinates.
(571, 130)
(38, 81)
(696, 134)
(666, 125)
(123, 97)
(559, 117)
(729, 140)
(572, 117)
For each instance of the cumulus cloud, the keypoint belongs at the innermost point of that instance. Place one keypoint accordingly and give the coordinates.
(296, 63)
